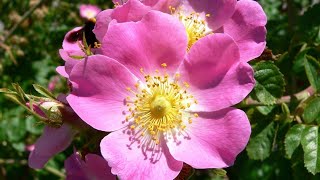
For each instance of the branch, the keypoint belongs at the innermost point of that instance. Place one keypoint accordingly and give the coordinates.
(284, 99)
(24, 17)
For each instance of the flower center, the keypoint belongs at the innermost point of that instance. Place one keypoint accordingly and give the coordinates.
(159, 106)
(196, 27)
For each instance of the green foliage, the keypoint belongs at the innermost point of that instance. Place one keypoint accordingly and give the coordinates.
(311, 146)
(269, 82)
(312, 111)
(293, 138)
(312, 67)
(259, 147)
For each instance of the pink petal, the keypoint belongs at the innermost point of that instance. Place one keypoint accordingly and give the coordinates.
(233, 88)
(98, 167)
(213, 140)
(62, 71)
(133, 10)
(85, 8)
(158, 38)
(51, 142)
(132, 160)
(220, 10)
(162, 5)
(70, 62)
(217, 78)
(209, 60)
(102, 22)
(94, 167)
(247, 27)
(70, 45)
(99, 92)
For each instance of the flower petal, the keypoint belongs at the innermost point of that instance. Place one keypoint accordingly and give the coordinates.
(51, 142)
(133, 10)
(247, 28)
(162, 5)
(158, 38)
(209, 60)
(98, 167)
(213, 140)
(131, 160)
(220, 10)
(102, 22)
(62, 71)
(233, 88)
(99, 92)
(69, 61)
(217, 78)
(70, 44)
(94, 167)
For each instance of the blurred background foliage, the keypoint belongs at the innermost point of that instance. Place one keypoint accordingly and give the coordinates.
(282, 130)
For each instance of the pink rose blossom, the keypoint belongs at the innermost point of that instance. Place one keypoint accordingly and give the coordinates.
(93, 167)
(243, 20)
(163, 105)
(133, 10)
(88, 11)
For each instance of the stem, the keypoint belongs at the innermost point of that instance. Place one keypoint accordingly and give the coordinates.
(284, 99)
(13, 161)
(55, 172)
(24, 17)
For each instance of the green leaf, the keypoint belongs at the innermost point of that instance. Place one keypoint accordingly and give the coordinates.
(33, 126)
(265, 110)
(269, 83)
(293, 138)
(16, 129)
(259, 147)
(219, 172)
(312, 67)
(43, 91)
(312, 111)
(310, 144)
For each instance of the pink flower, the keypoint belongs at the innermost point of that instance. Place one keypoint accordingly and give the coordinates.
(160, 5)
(71, 51)
(162, 105)
(94, 167)
(88, 11)
(243, 20)
(53, 139)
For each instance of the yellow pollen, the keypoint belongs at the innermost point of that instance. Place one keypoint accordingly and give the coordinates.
(195, 25)
(159, 105)
(164, 65)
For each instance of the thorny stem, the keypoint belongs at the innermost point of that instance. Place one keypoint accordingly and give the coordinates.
(284, 99)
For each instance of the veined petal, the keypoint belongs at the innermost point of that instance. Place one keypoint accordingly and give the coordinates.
(217, 78)
(51, 142)
(94, 167)
(213, 140)
(219, 10)
(102, 22)
(158, 38)
(132, 159)
(247, 28)
(99, 92)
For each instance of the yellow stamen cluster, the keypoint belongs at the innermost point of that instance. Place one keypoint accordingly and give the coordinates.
(159, 106)
(195, 25)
